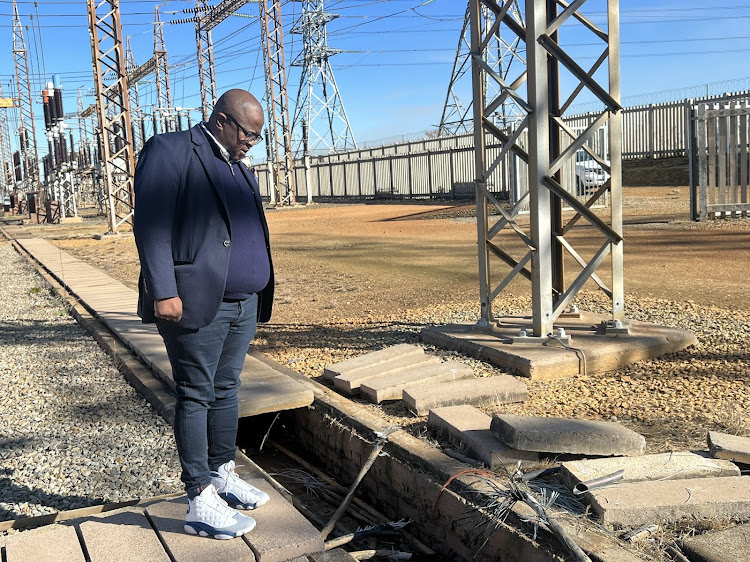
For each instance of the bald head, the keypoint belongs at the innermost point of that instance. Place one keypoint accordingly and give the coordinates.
(237, 116)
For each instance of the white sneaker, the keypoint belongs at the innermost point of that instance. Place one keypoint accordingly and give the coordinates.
(235, 490)
(210, 516)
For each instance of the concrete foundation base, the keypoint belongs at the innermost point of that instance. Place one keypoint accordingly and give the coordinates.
(107, 235)
(65, 220)
(590, 350)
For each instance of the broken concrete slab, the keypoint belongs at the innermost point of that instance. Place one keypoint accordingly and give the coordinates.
(730, 447)
(672, 501)
(350, 381)
(390, 386)
(471, 428)
(604, 352)
(388, 354)
(501, 389)
(727, 545)
(664, 466)
(335, 555)
(563, 435)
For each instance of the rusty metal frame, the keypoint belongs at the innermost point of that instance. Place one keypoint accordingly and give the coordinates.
(545, 241)
(113, 110)
(161, 72)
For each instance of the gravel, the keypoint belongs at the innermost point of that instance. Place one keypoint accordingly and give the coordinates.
(73, 432)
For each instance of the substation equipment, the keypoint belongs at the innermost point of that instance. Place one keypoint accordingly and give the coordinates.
(534, 91)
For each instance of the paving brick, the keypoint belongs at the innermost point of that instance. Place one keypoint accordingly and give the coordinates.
(563, 435)
(727, 545)
(679, 465)
(125, 536)
(731, 447)
(671, 501)
(169, 520)
(471, 428)
(281, 533)
(53, 543)
(335, 555)
(350, 382)
(389, 353)
(391, 385)
(501, 388)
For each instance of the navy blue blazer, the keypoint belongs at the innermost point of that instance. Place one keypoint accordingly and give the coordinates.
(182, 228)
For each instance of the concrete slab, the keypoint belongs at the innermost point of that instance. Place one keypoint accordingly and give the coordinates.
(731, 447)
(349, 383)
(281, 533)
(727, 545)
(335, 555)
(501, 389)
(53, 543)
(671, 501)
(471, 428)
(563, 435)
(169, 520)
(390, 386)
(265, 387)
(664, 466)
(126, 536)
(388, 354)
(603, 352)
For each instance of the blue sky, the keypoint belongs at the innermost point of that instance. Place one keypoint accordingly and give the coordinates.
(398, 54)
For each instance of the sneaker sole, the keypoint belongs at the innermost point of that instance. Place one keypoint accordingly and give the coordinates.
(232, 500)
(220, 535)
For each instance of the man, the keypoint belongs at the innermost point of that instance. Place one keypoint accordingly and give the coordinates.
(206, 278)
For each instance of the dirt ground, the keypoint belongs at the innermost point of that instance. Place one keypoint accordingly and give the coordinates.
(353, 278)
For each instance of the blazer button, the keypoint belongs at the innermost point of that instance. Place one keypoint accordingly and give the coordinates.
(226, 243)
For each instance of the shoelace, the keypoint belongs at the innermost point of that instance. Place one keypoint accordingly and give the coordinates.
(221, 506)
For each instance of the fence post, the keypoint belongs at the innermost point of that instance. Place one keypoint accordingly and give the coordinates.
(429, 173)
(651, 131)
(390, 173)
(450, 162)
(702, 164)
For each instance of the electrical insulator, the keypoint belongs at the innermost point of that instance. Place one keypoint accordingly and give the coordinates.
(58, 151)
(47, 117)
(179, 121)
(45, 161)
(17, 164)
(50, 151)
(63, 148)
(59, 105)
(72, 159)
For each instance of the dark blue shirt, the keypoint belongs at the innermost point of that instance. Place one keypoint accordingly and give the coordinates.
(249, 268)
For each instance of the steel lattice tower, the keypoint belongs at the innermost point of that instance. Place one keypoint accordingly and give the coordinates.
(499, 58)
(206, 71)
(26, 129)
(6, 152)
(113, 109)
(135, 104)
(547, 236)
(279, 138)
(161, 71)
(319, 106)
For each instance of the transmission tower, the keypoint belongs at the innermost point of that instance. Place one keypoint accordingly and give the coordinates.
(26, 129)
(547, 235)
(136, 115)
(499, 57)
(319, 106)
(161, 72)
(112, 107)
(278, 138)
(6, 152)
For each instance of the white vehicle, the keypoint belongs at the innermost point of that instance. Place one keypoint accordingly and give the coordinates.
(590, 176)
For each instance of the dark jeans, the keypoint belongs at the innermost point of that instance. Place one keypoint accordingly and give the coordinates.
(206, 367)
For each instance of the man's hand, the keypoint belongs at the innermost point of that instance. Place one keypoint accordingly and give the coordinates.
(169, 309)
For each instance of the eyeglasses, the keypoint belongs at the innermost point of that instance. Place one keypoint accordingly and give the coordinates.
(254, 138)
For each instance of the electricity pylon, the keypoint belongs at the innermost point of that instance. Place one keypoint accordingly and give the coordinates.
(161, 72)
(113, 110)
(278, 138)
(26, 129)
(500, 56)
(319, 111)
